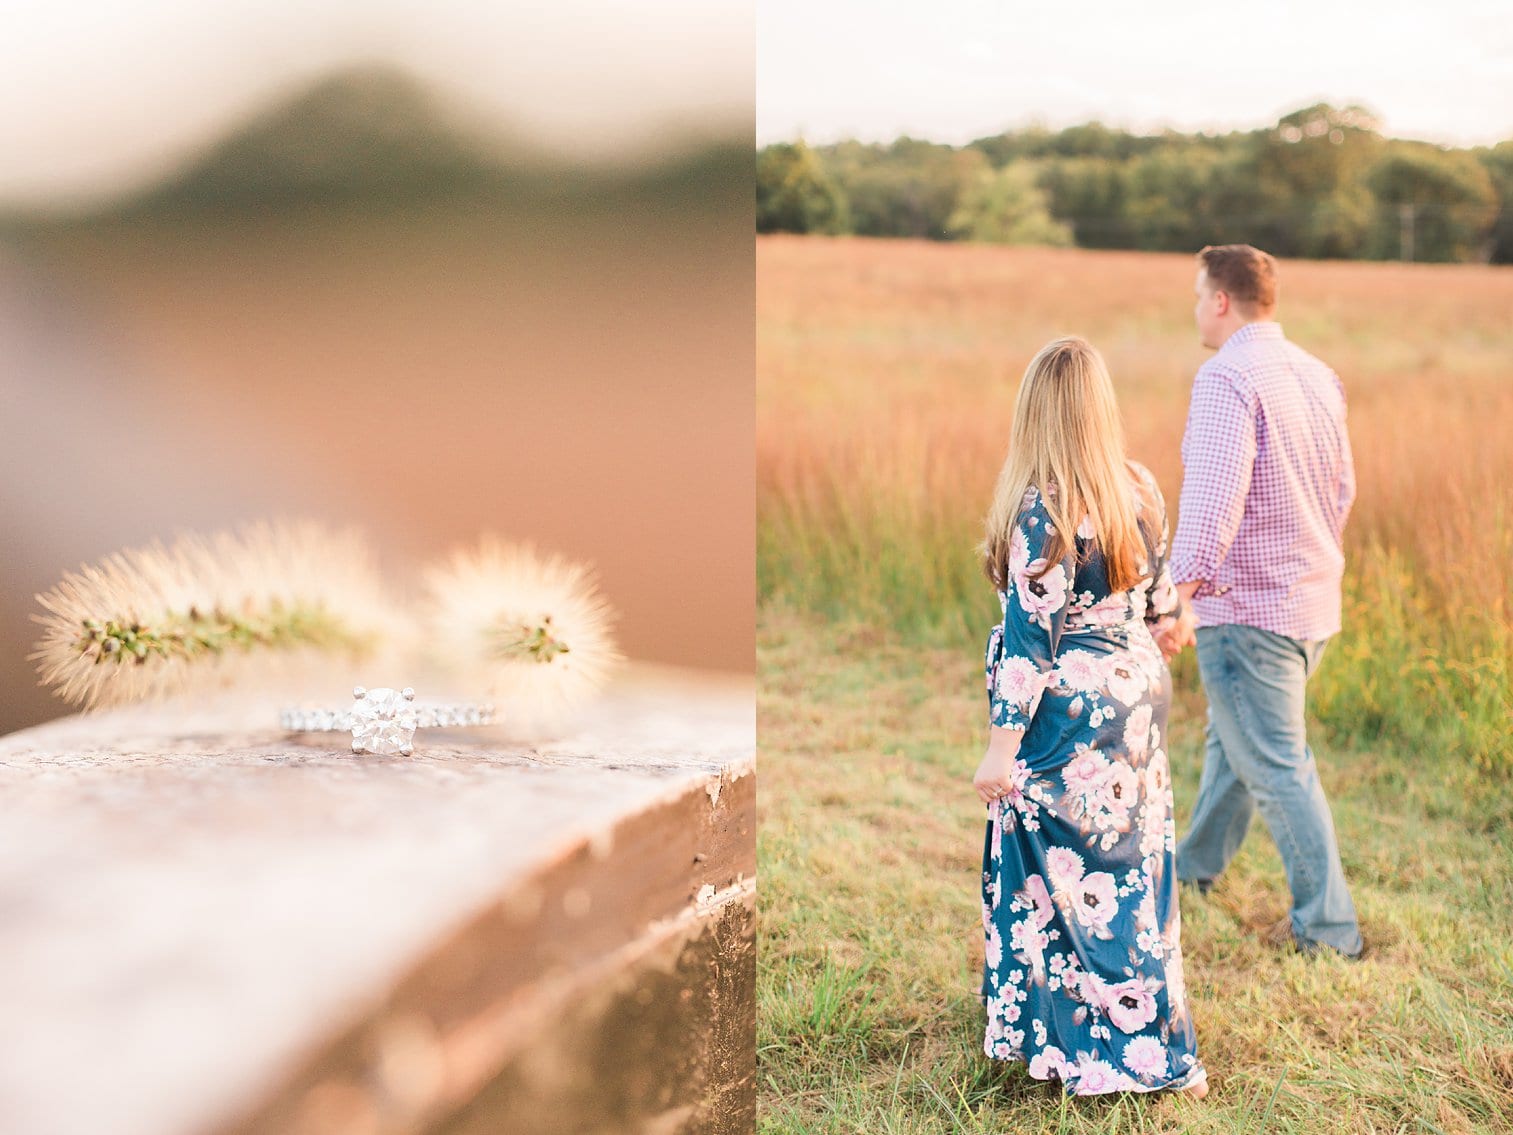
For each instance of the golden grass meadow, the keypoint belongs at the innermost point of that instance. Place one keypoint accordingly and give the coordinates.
(886, 377)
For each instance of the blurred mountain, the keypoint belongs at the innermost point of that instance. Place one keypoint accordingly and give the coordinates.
(375, 136)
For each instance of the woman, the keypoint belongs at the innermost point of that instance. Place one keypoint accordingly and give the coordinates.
(1083, 978)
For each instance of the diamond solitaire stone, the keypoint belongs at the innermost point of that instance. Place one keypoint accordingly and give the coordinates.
(383, 721)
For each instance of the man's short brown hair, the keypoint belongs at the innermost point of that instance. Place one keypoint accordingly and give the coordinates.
(1246, 274)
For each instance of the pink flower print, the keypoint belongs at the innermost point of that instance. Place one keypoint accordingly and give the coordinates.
(1019, 552)
(1176, 981)
(1153, 823)
(1019, 682)
(1126, 681)
(1043, 595)
(1090, 988)
(1130, 1005)
(1147, 657)
(993, 946)
(1108, 611)
(1035, 889)
(1080, 670)
(1095, 902)
(1094, 1076)
(1028, 941)
(1137, 732)
(1049, 1063)
(1001, 1041)
(1065, 868)
(1018, 779)
(1085, 772)
(1116, 795)
(1164, 594)
(1157, 779)
(1145, 1056)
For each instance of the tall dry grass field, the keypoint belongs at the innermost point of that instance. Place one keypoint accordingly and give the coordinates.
(886, 377)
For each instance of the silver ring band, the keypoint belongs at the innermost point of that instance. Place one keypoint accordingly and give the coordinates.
(426, 717)
(384, 720)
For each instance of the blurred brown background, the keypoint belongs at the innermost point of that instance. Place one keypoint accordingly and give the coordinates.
(361, 302)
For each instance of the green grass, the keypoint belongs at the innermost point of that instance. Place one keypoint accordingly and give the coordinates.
(870, 842)
(1427, 672)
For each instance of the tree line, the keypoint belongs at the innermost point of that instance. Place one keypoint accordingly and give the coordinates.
(1322, 183)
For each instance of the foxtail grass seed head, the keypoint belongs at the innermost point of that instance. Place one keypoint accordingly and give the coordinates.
(206, 612)
(532, 627)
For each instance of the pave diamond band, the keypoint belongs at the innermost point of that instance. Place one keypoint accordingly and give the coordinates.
(426, 717)
(383, 720)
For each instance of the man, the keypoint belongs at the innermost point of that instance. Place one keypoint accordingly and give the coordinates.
(1268, 482)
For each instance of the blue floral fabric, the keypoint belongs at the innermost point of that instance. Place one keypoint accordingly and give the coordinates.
(1083, 977)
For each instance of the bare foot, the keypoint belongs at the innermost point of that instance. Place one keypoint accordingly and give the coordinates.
(1198, 1090)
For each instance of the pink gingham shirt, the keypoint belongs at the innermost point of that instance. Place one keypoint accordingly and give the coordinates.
(1268, 482)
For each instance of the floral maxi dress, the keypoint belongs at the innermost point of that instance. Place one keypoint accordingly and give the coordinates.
(1083, 974)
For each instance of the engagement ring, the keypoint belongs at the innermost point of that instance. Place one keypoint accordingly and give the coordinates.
(383, 720)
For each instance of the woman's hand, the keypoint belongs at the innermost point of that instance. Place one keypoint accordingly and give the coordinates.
(995, 775)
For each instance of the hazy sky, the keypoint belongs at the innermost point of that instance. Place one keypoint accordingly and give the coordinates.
(954, 70)
(99, 93)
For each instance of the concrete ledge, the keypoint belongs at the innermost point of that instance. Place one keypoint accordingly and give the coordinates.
(206, 927)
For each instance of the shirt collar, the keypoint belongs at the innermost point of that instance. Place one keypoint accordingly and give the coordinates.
(1260, 329)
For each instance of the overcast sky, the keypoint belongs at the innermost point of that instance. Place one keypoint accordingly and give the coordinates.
(102, 93)
(954, 70)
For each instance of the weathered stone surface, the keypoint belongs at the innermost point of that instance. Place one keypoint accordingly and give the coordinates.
(208, 926)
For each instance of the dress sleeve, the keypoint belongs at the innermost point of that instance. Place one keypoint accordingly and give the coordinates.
(1162, 599)
(1022, 647)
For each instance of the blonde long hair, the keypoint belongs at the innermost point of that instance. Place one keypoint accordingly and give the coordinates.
(1067, 441)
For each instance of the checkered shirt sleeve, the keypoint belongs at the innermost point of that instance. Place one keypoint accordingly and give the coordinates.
(1218, 457)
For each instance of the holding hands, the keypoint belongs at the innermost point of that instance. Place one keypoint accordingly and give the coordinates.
(1174, 633)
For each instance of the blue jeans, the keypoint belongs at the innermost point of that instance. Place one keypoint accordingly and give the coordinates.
(1257, 757)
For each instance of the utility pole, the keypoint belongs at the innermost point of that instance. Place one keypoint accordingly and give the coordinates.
(1405, 217)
